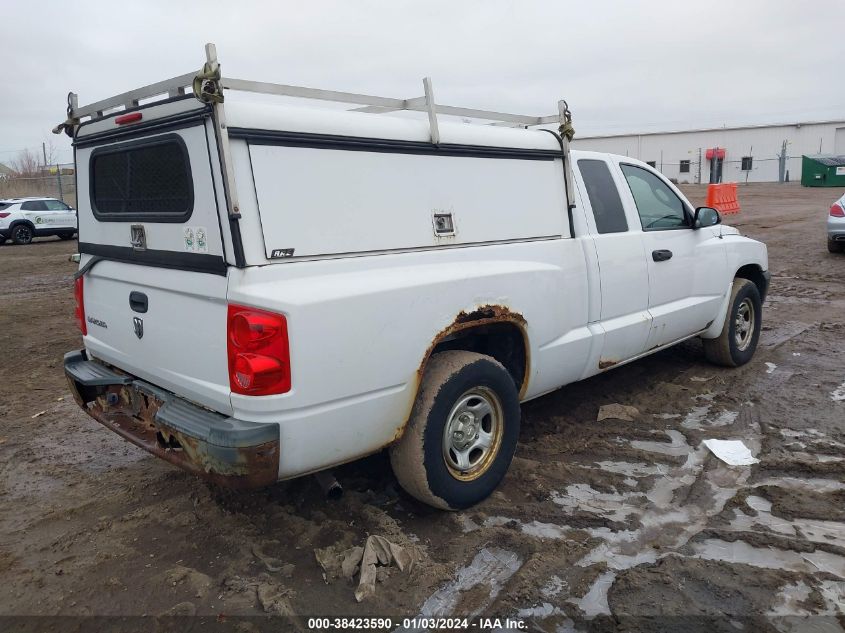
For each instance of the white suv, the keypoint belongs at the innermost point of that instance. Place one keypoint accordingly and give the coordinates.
(21, 219)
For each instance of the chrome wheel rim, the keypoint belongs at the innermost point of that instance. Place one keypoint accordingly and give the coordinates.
(744, 324)
(473, 434)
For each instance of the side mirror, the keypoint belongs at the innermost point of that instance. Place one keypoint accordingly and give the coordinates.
(705, 216)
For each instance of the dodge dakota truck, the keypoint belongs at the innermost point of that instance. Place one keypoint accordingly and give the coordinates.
(268, 290)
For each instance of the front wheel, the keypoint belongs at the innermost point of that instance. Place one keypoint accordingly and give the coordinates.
(22, 234)
(737, 342)
(462, 432)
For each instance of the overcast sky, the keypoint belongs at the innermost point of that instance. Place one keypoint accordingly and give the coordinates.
(622, 65)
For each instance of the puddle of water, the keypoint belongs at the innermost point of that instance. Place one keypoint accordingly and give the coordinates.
(769, 558)
(829, 458)
(788, 599)
(695, 417)
(594, 602)
(677, 447)
(534, 528)
(816, 531)
(746, 523)
(816, 457)
(632, 469)
(545, 530)
(543, 610)
(801, 433)
(491, 567)
(553, 587)
(621, 550)
(613, 506)
(833, 592)
(811, 484)
(699, 416)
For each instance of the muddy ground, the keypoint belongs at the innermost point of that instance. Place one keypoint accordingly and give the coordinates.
(599, 526)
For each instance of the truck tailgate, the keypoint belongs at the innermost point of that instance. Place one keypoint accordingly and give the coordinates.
(177, 340)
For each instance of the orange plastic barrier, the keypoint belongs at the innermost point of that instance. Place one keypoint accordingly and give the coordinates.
(723, 198)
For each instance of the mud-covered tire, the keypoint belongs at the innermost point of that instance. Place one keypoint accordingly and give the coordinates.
(737, 342)
(22, 234)
(455, 383)
(835, 247)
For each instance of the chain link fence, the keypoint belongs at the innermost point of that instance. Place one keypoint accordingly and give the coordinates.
(61, 186)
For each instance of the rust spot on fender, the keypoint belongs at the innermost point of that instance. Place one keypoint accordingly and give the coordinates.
(490, 312)
(484, 315)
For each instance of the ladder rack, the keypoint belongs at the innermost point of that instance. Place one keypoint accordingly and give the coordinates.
(185, 84)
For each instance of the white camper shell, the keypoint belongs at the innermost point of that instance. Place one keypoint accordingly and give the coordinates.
(268, 290)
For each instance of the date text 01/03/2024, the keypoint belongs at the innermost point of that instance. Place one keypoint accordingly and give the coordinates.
(418, 623)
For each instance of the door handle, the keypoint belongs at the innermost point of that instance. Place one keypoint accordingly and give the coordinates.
(661, 255)
(138, 301)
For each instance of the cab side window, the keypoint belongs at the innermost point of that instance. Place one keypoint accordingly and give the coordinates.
(658, 206)
(55, 205)
(604, 197)
(33, 205)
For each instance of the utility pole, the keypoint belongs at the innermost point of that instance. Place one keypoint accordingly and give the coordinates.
(751, 156)
(699, 166)
(59, 180)
(44, 151)
(782, 163)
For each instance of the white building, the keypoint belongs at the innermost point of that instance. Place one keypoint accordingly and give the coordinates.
(749, 153)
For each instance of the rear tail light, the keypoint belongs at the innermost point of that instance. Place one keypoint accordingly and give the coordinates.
(836, 210)
(79, 313)
(5, 215)
(259, 356)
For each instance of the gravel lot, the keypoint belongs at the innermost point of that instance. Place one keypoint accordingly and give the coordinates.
(600, 526)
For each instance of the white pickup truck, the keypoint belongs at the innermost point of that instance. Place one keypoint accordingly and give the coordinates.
(267, 291)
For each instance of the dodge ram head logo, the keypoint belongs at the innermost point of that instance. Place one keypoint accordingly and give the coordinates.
(138, 323)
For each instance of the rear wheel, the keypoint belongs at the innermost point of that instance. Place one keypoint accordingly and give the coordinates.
(22, 234)
(66, 236)
(462, 433)
(2, 240)
(835, 247)
(737, 342)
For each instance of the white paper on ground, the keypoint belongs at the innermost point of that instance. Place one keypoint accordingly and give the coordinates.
(732, 452)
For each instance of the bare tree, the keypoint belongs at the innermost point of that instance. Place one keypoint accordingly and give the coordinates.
(26, 164)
